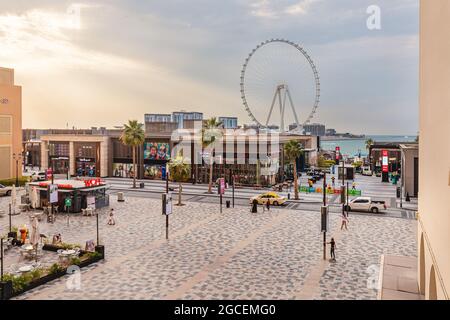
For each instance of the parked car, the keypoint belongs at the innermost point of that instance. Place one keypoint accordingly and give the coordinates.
(366, 171)
(38, 176)
(5, 191)
(271, 197)
(365, 204)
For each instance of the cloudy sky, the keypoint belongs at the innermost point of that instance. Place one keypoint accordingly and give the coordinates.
(99, 63)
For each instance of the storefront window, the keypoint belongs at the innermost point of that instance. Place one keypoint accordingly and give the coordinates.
(153, 171)
(123, 170)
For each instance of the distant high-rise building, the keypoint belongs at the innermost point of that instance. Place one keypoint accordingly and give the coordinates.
(180, 116)
(314, 129)
(229, 122)
(157, 117)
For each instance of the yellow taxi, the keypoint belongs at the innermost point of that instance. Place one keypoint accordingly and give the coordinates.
(273, 198)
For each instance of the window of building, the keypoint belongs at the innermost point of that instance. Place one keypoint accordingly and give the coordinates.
(5, 125)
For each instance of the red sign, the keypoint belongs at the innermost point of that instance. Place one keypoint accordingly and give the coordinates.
(385, 161)
(338, 151)
(222, 186)
(92, 182)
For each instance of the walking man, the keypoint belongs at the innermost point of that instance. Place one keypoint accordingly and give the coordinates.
(268, 205)
(111, 221)
(332, 244)
(353, 186)
(332, 180)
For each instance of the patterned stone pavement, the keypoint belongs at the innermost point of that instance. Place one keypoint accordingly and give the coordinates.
(233, 255)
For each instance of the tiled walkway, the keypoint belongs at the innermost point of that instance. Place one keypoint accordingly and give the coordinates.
(233, 255)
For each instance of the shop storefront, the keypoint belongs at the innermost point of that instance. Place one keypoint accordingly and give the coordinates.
(122, 170)
(80, 194)
(87, 159)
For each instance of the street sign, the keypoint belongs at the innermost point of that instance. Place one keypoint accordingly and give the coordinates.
(221, 186)
(167, 203)
(53, 193)
(385, 161)
(338, 151)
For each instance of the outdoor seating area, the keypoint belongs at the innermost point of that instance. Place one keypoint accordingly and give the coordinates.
(33, 248)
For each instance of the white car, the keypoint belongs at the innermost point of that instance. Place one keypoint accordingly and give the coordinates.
(366, 171)
(365, 204)
(5, 191)
(38, 176)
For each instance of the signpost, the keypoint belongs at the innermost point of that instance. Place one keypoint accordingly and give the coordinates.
(385, 165)
(167, 209)
(221, 191)
(324, 228)
(68, 204)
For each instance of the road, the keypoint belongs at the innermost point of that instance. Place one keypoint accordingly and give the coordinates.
(308, 202)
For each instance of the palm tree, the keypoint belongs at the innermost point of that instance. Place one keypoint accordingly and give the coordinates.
(293, 150)
(211, 133)
(179, 171)
(369, 143)
(133, 136)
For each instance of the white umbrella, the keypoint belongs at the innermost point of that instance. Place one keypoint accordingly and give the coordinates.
(35, 236)
(33, 197)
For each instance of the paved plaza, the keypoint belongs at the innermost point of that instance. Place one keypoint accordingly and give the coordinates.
(233, 255)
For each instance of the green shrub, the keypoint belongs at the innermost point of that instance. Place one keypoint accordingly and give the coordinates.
(37, 273)
(19, 283)
(55, 268)
(10, 182)
(75, 261)
(93, 255)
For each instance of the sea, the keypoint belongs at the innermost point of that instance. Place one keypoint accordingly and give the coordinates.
(354, 147)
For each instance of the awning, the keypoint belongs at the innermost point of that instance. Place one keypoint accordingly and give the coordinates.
(94, 188)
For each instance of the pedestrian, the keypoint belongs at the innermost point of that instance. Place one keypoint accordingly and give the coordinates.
(332, 244)
(111, 221)
(268, 205)
(353, 186)
(344, 221)
(332, 180)
(254, 206)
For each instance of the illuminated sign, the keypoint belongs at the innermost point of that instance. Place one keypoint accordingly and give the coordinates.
(385, 161)
(4, 101)
(92, 182)
(338, 151)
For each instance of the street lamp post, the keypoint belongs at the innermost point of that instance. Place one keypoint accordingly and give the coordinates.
(17, 157)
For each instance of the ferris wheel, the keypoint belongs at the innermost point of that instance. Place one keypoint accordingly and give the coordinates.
(280, 73)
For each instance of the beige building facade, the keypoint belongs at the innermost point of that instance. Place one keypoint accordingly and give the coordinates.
(410, 169)
(434, 153)
(10, 126)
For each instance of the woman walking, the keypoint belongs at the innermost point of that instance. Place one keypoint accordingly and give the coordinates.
(344, 222)
(332, 248)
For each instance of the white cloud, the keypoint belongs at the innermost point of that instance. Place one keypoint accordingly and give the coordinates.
(274, 9)
(43, 39)
(300, 8)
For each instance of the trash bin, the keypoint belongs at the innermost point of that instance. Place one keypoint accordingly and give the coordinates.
(398, 192)
(228, 203)
(142, 185)
(120, 197)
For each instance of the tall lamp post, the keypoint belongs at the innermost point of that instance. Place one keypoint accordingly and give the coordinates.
(17, 157)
